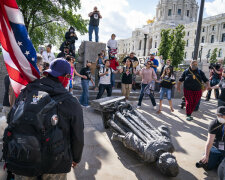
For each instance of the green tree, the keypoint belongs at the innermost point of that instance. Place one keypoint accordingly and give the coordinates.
(213, 56)
(48, 20)
(165, 43)
(176, 53)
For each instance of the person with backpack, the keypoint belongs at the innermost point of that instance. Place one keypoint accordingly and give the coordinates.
(105, 75)
(166, 83)
(194, 80)
(99, 63)
(149, 77)
(45, 137)
(127, 76)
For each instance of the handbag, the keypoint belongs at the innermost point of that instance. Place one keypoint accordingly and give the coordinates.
(194, 77)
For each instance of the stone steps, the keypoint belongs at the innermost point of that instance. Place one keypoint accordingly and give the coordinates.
(134, 95)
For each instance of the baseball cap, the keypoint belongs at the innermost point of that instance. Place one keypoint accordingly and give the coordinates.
(59, 67)
(221, 111)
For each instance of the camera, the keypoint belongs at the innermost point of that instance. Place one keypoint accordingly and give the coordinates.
(201, 165)
(107, 70)
(214, 65)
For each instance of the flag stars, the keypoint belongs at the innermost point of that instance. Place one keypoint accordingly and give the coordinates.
(19, 43)
(27, 53)
(33, 59)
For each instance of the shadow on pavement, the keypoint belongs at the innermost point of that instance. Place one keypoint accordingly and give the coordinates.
(93, 151)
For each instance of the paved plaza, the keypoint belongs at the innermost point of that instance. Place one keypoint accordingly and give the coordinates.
(104, 159)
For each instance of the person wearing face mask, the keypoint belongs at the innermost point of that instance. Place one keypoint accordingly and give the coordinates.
(194, 80)
(221, 85)
(62, 133)
(214, 149)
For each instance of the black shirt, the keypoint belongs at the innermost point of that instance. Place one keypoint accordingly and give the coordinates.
(6, 95)
(189, 82)
(127, 75)
(168, 82)
(94, 19)
(86, 72)
(222, 87)
(215, 127)
(132, 59)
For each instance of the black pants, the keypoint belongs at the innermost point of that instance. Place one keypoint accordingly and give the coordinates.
(102, 88)
(142, 95)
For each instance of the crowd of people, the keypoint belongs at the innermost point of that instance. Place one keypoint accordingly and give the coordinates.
(64, 117)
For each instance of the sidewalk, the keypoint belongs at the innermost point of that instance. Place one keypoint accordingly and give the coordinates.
(104, 159)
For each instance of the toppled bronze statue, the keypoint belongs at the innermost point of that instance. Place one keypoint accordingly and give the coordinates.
(138, 134)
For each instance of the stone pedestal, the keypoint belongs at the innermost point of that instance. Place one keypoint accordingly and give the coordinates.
(88, 51)
(3, 72)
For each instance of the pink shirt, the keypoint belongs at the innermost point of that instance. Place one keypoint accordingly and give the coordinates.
(148, 75)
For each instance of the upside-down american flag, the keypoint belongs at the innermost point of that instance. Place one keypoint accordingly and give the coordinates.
(18, 51)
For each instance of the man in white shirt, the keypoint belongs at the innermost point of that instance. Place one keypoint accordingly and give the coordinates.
(47, 55)
(112, 45)
(105, 80)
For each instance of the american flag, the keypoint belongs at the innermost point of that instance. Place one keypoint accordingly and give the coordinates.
(18, 51)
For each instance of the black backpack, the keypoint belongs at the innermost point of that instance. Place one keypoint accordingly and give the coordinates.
(34, 141)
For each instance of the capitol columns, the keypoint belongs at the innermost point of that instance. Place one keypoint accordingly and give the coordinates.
(197, 39)
(145, 31)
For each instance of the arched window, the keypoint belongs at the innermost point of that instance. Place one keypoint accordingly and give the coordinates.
(139, 45)
(203, 39)
(212, 38)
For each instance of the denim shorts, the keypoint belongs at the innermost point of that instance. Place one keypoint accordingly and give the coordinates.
(163, 91)
(70, 84)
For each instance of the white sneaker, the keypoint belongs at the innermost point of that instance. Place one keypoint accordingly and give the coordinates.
(138, 107)
(154, 107)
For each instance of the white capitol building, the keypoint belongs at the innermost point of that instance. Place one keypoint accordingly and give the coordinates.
(170, 13)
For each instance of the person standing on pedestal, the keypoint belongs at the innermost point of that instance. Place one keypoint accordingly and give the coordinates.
(94, 23)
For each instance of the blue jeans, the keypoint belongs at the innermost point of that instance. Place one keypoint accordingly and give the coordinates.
(91, 29)
(163, 91)
(215, 158)
(85, 94)
(142, 95)
(102, 88)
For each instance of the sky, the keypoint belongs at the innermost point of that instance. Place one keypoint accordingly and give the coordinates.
(123, 16)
